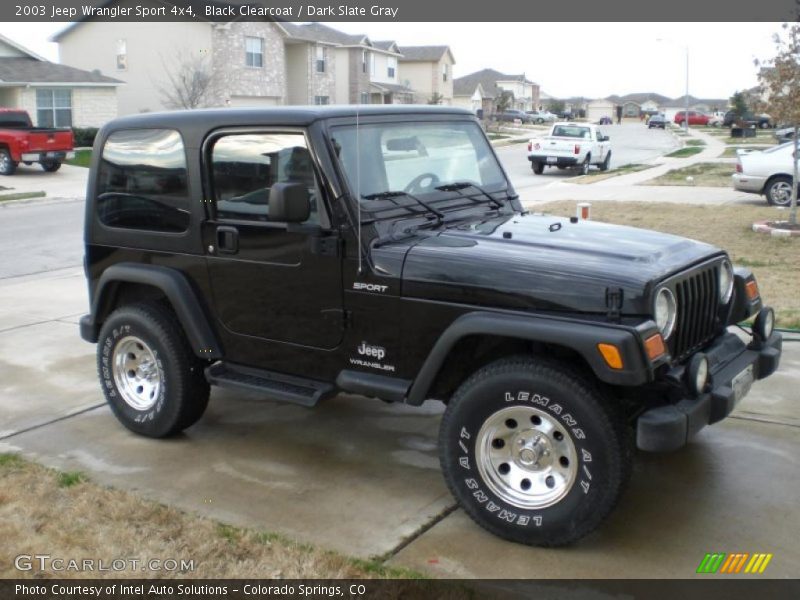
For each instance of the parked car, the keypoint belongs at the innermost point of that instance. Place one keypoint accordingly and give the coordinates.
(570, 145)
(767, 172)
(605, 121)
(695, 118)
(382, 251)
(784, 134)
(512, 115)
(748, 119)
(21, 142)
(716, 119)
(657, 120)
(542, 116)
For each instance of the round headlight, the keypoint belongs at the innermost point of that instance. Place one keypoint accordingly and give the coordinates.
(664, 311)
(725, 281)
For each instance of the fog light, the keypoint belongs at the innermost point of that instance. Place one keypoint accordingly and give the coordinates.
(697, 373)
(764, 323)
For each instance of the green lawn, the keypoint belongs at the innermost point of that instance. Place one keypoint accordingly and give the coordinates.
(82, 158)
(684, 152)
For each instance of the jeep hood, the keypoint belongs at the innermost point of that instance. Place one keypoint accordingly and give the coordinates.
(545, 263)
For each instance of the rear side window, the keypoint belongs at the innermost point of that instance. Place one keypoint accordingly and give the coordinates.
(142, 181)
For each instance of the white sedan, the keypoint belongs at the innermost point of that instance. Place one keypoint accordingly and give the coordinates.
(767, 172)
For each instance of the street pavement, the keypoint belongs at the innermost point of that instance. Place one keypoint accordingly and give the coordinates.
(358, 475)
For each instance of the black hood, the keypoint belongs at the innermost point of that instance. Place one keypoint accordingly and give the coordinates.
(545, 263)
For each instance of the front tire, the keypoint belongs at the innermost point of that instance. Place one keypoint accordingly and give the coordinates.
(533, 453)
(779, 191)
(604, 166)
(151, 379)
(538, 167)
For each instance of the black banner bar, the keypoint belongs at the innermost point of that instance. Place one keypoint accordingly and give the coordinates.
(400, 10)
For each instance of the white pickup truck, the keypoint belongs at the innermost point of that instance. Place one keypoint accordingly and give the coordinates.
(570, 145)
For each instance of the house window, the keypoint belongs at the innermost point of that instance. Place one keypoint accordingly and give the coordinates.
(122, 55)
(254, 51)
(444, 72)
(364, 61)
(320, 59)
(364, 98)
(322, 100)
(54, 108)
(372, 63)
(391, 67)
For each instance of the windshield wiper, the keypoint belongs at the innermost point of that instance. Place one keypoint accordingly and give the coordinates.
(458, 186)
(390, 195)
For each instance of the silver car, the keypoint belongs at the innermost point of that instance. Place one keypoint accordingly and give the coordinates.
(767, 172)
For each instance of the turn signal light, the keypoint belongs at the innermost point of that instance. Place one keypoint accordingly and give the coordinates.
(530, 146)
(654, 346)
(751, 287)
(611, 355)
(577, 148)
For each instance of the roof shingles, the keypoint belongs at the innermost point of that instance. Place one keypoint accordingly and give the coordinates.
(30, 70)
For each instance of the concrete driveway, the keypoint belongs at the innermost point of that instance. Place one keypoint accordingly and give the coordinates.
(362, 477)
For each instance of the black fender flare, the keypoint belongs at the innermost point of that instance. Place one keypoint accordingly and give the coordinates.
(580, 336)
(175, 287)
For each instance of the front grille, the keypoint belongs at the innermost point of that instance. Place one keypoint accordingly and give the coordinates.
(697, 297)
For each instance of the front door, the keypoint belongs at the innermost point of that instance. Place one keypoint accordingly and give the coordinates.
(268, 280)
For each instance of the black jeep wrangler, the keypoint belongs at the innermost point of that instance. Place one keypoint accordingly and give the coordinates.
(382, 251)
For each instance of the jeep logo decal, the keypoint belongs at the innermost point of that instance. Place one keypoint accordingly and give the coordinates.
(374, 351)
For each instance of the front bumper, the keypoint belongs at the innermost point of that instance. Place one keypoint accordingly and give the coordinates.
(670, 427)
(51, 155)
(748, 183)
(554, 161)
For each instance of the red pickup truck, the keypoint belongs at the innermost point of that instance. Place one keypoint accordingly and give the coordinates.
(20, 142)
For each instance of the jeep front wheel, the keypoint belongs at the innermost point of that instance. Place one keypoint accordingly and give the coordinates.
(151, 379)
(533, 453)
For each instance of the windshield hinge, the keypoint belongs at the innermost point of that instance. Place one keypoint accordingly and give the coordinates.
(614, 298)
(330, 245)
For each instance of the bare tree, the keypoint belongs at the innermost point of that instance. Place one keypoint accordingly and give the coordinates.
(779, 79)
(436, 98)
(190, 82)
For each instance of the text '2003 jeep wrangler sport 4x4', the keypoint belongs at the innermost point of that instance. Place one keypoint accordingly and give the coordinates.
(382, 251)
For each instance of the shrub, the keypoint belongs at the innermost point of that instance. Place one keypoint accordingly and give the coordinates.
(84, 136)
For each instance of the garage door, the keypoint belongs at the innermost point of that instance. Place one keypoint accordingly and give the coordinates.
(254, 101)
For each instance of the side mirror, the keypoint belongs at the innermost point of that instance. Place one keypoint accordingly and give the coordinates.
(289, 202)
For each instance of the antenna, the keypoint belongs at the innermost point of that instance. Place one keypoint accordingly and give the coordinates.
(358, 189)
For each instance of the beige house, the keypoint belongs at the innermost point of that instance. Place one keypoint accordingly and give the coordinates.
(482, 89)
(428, 70)
(597, 109)
(54, 95)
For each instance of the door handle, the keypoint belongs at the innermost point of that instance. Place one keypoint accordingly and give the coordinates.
(227, 239)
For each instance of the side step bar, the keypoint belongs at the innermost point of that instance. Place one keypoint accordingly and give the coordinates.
(284, 388)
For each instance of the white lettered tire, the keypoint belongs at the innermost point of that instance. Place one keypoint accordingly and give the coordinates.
(533, 452)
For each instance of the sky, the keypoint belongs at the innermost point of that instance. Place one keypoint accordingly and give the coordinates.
(593, 60)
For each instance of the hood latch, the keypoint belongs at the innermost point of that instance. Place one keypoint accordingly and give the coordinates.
(614, 298)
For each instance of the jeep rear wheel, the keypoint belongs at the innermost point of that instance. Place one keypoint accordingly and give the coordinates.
(150, 377)
(534, 453)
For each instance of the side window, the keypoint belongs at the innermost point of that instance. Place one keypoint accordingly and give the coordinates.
(141, 181)
(244, 167)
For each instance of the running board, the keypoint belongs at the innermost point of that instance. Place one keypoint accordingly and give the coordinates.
(284, 388)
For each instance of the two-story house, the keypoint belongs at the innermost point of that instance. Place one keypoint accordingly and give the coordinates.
(483, 88)
(428, 71)
(54, 95)
(385, 86)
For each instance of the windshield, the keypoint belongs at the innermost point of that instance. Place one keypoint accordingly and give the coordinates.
(416, 158)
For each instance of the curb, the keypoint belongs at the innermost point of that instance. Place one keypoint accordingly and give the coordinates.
(764, 227)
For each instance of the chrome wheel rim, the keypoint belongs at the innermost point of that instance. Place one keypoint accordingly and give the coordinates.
(136, 374)
(781, 193)
(5, 161)
(526, 457)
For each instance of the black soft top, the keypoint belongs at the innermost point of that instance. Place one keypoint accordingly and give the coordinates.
(298, 116)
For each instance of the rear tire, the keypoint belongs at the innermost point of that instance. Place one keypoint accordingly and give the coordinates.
(537, 167)
(779, 191)
(151, 379)
(7, 165)
(533, 452)
(586, 164)
(51, 166)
